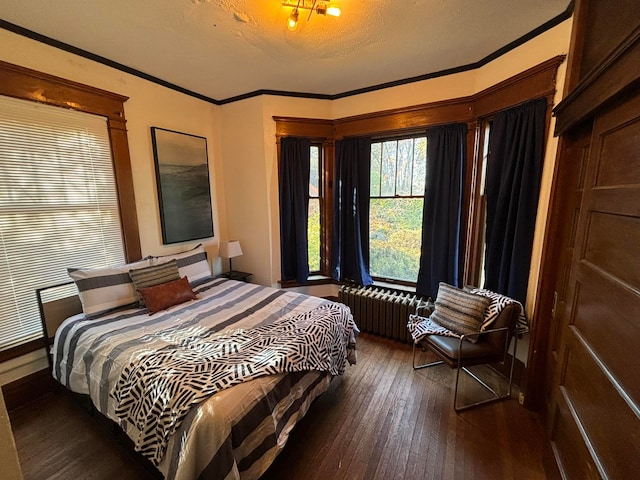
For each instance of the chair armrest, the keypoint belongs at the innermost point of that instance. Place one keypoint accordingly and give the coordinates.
(491, 330)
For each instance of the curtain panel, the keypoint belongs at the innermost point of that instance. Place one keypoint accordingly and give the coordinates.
(441, 252)
(350, 238)
(514, 169)
(294, 208)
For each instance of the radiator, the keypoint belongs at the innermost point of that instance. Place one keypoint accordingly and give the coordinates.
(380, 311)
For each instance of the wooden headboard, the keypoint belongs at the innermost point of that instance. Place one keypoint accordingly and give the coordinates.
(54, 312)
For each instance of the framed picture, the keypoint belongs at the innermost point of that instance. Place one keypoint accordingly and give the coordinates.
(182, 176)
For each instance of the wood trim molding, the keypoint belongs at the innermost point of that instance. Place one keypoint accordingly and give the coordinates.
(22, 349)
(27, 84)
(406, 120)
(538, 81)
(26, 389)
(303, 127)
(615, 73)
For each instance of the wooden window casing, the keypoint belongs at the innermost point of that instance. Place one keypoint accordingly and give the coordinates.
(27, 84)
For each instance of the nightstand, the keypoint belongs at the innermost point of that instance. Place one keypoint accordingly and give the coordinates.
(235, 275)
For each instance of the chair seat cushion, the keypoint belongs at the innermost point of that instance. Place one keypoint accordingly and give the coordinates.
(472, 353)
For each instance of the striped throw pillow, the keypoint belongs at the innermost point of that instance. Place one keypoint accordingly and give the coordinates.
(152, 276)
(103, 289)
(192, 264)
(459, 311)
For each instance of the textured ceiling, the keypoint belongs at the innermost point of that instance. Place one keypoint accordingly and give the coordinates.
(225, 48)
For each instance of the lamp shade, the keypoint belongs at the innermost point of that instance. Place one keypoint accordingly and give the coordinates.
(230, 249)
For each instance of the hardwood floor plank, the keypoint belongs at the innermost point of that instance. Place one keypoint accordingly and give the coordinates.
(381, 420)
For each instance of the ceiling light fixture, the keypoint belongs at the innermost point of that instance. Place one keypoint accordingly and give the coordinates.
(318, 6)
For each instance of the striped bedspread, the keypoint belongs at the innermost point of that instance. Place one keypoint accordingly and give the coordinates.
(237, 432)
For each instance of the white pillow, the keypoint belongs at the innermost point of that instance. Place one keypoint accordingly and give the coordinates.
(103, 289)
(192, 264)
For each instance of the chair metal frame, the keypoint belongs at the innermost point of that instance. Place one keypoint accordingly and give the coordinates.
(462, 365)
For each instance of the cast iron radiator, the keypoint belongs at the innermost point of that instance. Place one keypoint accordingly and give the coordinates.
(380, 311)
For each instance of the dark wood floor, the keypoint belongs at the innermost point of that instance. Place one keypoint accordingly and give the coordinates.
(381, 420)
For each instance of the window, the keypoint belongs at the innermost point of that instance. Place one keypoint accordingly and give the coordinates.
(314, 223)
(398, 169)
(58, 206)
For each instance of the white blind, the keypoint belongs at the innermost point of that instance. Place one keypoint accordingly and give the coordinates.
(58, 206)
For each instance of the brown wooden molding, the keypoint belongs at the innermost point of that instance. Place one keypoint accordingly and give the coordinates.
(614, 74)
(27, 84)
(22, 349)
(21, 82)
(406, 120)
(26, 389)
(536, 82)
(303, 127)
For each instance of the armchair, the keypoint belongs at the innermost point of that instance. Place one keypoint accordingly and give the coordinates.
(491, 346)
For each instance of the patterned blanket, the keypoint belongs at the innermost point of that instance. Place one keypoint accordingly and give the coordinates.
(498, 302)
(157, 390)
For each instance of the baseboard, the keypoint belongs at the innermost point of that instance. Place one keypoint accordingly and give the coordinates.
(26, 389)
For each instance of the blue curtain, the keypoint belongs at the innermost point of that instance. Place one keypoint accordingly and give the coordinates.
(294, 207)
(441, 252)
(514, 168)
(350, 238)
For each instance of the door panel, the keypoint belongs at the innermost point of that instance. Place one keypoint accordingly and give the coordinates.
(597, 396)
(571, 177)
(570, 451)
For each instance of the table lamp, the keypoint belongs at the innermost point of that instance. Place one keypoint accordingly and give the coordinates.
(229, 250)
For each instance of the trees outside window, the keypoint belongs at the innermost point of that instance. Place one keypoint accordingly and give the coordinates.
(314, 224)
(398, 169)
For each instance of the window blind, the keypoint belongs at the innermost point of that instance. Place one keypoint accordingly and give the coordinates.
(58, 206)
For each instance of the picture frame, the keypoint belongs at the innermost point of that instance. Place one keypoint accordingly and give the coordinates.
(182, 179)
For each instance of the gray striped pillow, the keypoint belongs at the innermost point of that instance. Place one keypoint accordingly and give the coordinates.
(103, 289)
(152, 276)
(192, 264)
(459, 311)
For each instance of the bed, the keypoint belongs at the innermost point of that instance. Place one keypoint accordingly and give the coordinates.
(208, 388)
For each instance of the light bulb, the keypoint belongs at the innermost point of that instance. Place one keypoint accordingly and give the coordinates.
(292, 21)
(333, 10)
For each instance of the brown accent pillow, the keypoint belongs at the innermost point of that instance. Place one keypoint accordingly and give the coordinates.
(165, 295)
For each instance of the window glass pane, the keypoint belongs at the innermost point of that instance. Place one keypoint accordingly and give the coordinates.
(313, 232)
(405, 161)
(395, 237)
(314, 222)
(419, 165)
(58, 206)
(376, 154)
(314, 173)
(389, 153)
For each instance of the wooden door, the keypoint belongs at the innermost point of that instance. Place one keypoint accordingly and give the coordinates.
(595, 418)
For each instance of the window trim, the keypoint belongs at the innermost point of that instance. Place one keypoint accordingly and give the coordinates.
(26, 84)
(320, 132)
